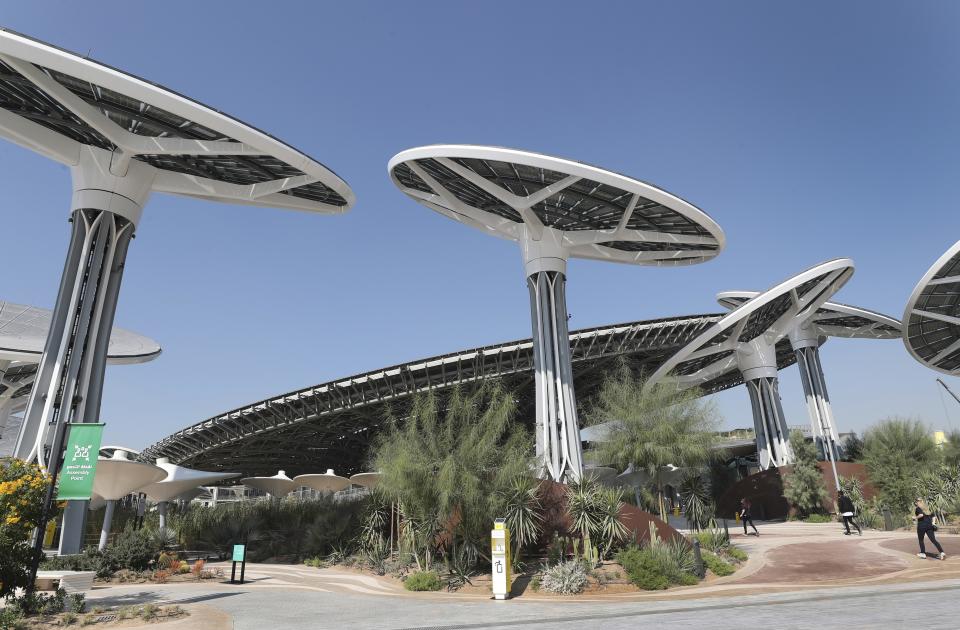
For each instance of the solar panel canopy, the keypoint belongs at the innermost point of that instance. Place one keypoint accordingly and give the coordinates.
(765, 319)
(833, 319)
(55, 102)
(598, 213)
(932, 315)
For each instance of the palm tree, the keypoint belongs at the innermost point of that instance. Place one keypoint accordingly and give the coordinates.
(448, 464)
(655, 428)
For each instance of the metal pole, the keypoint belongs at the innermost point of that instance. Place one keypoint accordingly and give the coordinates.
(558, 429)
(107, 521)
(70, 374)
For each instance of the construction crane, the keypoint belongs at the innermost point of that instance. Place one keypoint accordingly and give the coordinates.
(949, 391)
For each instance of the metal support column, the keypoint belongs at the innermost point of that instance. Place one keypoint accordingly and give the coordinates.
(818, 405)
(558, 430)
(770, 425)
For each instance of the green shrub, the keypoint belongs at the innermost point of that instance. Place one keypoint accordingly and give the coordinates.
(818, 518)
(642, 569)
(69, 618)
(713, 539)
(423, 581)
(568, 578)
(688, 579)
(10, 617)
(737, 553)
(717, 565)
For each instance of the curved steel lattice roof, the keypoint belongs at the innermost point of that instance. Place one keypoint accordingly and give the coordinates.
(54, 101)
(600, 214)
(331, 425)
(766, 319)
(932, 317)
(832, 319)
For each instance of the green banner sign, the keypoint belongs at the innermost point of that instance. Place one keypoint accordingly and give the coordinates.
(80, 461)
(239, 553)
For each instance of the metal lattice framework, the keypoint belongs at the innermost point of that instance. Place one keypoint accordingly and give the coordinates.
(750, 341)
(931, 319)
(331, 425)
(556, 209)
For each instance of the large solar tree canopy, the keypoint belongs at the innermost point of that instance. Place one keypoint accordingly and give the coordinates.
(124, 138)
(931, 329)
(23, 332)
(748, 341)
(830, 320)
(556, 209)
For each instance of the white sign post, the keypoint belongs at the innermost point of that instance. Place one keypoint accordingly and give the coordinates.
(500, 559)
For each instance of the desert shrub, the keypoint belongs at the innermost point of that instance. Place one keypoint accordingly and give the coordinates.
(713, 539)
(895, 451)
(10, 618)
(567, 578)
(818, 518)
(688, 579)
(642, 569)
(535, 584)
(69, 618)
(803, 488)
(168, 560)
(131, 549)
(316, 562)
(161, 576)
(423, 581)
(717, 565)
(197, 569)
(737, 553)
(183, 568)
(77, 602)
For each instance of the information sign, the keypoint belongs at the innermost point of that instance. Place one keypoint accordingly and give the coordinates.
(80, 461)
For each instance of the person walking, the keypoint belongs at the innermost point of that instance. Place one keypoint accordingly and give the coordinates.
(926, 527)
(846, 509)
(745, 516)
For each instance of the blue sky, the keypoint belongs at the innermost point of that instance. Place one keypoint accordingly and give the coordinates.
(807, 131)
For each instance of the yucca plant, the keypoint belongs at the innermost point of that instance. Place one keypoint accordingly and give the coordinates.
(520, 507)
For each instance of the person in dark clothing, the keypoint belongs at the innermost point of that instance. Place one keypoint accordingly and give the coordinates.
(746, 517)
(926, 527)
(846, 509)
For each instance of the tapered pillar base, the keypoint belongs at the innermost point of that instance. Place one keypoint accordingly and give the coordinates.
(558, 430)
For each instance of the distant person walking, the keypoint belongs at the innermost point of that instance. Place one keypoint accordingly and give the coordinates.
(926, 527)
(845, 506)
(746, 516)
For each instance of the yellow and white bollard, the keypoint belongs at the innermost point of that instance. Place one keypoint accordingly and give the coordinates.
(500, 559)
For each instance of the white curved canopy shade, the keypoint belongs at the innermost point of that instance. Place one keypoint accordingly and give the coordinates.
(196, 150)
(931, 319)
(23, 333)
(118, 476)
(278, 485)
(325, 482)
(832, 319)
(595, 213)
(755, 327)
(366, 479)
(180, 480)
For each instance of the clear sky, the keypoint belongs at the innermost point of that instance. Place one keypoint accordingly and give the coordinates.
(808, 131)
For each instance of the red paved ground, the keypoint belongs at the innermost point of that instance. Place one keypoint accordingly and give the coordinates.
(951, 545)
(820, 562)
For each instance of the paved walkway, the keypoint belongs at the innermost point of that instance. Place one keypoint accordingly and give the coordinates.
(798, 576)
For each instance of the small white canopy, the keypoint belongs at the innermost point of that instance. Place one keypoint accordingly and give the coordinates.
(118, 476)
(180, 480)
(325, 482)
(366, 479)
(278, 486)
